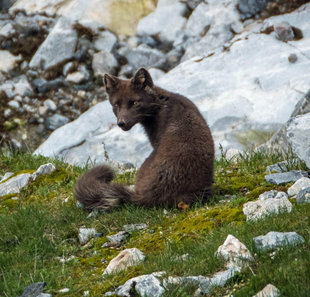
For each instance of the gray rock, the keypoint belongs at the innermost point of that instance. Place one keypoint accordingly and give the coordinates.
(292, 58)
(58, 47)
(249, 8)
(33, 290)
(283, 31)
(303, 196)
(299, 185)
(234, 252)
(44, 295)
(269, 291)
(85, 234)
(143, 56)
(55, 121)
(298, 133)
(22, 87)
(126, 258)
(166, 22)
(274, 240)
(135, 227)
(145, 285)
(119, 237)
(285, 177)
(262, 208)
(69, 67)
(44, 170)
(14, 104)
(105, 41)
(186, 280)
(282, 166)
(14, 184)
(218, 280)
(42, 85)
(272, 194)
(104, 62)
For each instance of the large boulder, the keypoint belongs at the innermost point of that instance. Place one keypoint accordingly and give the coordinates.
(119, 16)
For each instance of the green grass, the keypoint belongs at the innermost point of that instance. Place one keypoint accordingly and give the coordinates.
(43, 224)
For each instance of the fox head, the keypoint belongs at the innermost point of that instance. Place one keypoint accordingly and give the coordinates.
(133, 100)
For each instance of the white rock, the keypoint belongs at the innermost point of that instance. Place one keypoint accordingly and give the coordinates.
(299, 185)
(146, 285)
(14, 184)
(85, 234)
(76, 77)
(166, 22)
(105, 41)
(8, 61)
(298, 133)
(104, 62)
(234, 252)
(277, 239)
(272, 195)
(64, 290)
(50, 105)
(262, 208)
(14, 104)
(43, 170)
(6, 176)
(126, 258)
(269, 291)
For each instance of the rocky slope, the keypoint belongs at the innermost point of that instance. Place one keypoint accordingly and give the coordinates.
(245, 75)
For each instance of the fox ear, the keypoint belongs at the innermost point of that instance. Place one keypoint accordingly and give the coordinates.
(110, 82)
(142, 79)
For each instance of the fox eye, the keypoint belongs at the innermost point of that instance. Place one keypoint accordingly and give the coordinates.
(136, 103)
(115, 105)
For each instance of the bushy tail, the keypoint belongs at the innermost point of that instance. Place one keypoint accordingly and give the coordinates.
(94, 190)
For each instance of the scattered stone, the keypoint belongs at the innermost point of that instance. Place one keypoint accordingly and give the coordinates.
(126, 258)
(55, 121)
(77, 77)
(64, 290)
(50, 105)
(44, 295)
(85, 234)
(43, 170)
(282, 166)
(105, 41)
(272, 194)
(7, 61)
(135, 227)
(292, 58)
(269, 291)
(234, 252)
(58, 47)
(15, 184)
(303, 196)
(166, 22)
(145, 285)
(283, 31)
(33, 290)
(262, 208)
(120, 237)
(218, 280)
(249, 8)
(298, 133)
(285, 177)
(299, 185)
(274, 240)
(104, 62)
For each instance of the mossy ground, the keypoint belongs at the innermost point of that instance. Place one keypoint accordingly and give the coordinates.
(42, 224)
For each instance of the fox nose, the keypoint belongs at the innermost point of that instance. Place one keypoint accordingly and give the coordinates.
(121, 124)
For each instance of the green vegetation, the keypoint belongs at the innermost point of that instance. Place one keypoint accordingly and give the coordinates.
(42, 222)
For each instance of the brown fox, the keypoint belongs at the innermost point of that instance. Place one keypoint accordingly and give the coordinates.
(180, 168)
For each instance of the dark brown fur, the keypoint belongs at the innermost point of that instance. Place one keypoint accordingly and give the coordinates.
(180, 168)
